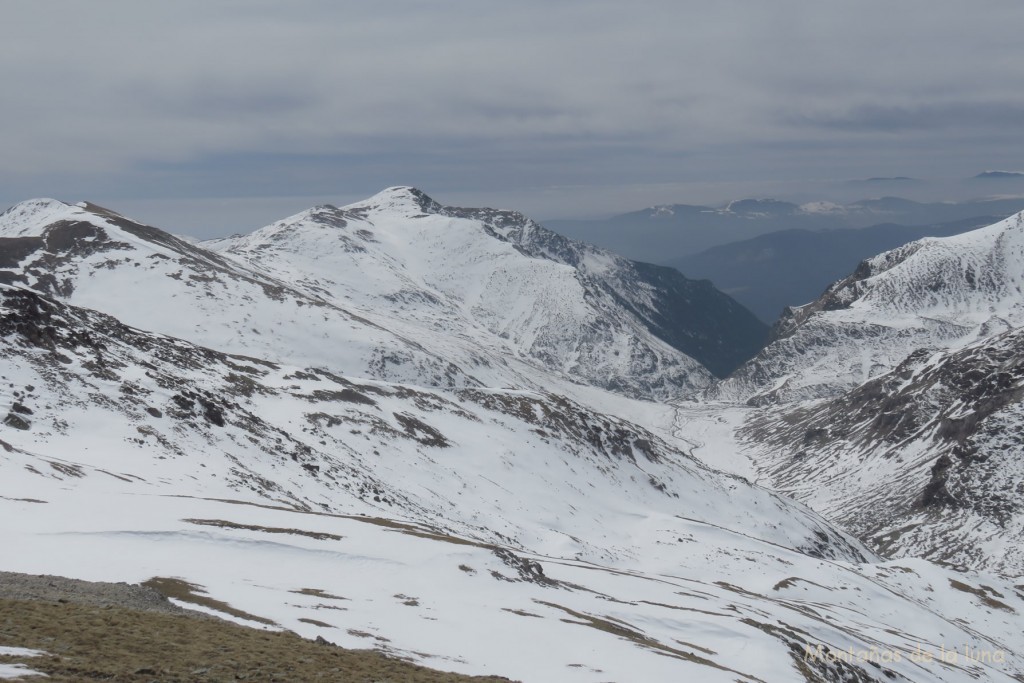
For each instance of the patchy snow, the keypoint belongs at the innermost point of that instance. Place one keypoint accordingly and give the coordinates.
(451, 603)
(6, 651)
(483, 531)
(922, 461)
(18, 671)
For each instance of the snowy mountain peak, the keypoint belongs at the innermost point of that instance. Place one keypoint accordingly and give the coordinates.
(499, 278)
(28, 217)
(35, 206)
(419, 279)
(403, 200)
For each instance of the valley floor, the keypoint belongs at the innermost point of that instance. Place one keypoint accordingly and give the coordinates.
(709, 431)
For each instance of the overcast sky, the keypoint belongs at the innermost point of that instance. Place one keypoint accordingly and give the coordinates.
(210, 117)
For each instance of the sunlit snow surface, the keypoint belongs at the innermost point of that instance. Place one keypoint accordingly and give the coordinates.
(376, 289)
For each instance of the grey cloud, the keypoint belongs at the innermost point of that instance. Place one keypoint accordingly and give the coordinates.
(972, 116)
(208, 98)
(589, 100)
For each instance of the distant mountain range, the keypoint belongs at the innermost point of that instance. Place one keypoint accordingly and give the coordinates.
(1000, 175)
(664, 234)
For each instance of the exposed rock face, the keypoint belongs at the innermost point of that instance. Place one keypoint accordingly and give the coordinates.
(926, 460)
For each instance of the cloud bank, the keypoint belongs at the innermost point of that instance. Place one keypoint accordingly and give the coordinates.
(566, 108)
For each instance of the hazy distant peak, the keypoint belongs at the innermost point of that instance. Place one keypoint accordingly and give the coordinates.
(999, 175)
(885, 179)
(822, 207)
(760, 208)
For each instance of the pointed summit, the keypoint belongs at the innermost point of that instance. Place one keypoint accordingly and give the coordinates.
(30, 217)
(400, 199)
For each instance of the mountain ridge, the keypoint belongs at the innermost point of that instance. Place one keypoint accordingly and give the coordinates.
(599, 283)
(934, 293)
(926, 453)
(769, 272)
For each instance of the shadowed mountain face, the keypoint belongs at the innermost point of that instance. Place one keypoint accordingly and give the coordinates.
(791, 267)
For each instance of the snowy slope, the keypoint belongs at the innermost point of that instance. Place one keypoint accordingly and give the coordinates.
(479, 530)
(923, 461)
(936, 293)
(472, 461)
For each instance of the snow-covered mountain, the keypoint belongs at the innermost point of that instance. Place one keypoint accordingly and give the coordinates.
(480, 530)
(396, 288)
(935, 293)
(359, 424)
(922, 461)
(891, 405)
(150, 279)
(772, 271)
(504, 281)
(311, 439)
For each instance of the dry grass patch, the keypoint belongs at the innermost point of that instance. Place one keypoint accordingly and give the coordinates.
(191, 593)
(318, 593)
(88, 642)
(224, 524)
(984, 594)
